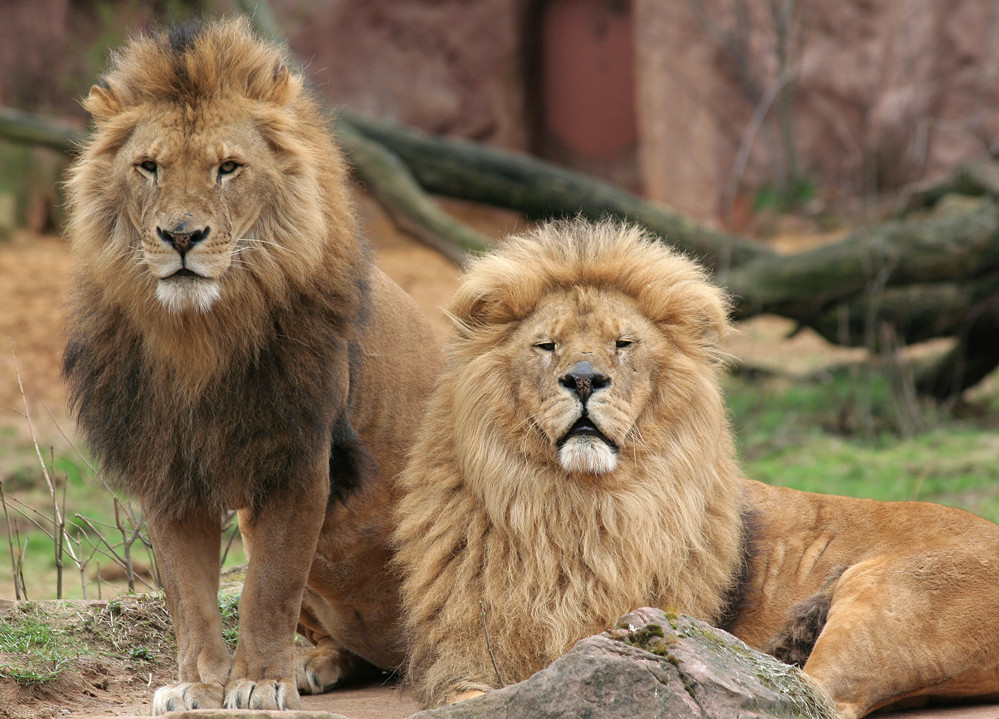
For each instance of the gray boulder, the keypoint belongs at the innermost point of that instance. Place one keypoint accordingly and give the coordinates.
(654, 664)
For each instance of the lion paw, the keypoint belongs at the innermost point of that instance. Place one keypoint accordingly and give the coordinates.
(277, 694)
(462, 696)
(322, 668)
(187, 695)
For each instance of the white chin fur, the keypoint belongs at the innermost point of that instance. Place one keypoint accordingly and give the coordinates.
(588, 455)
(188, 295)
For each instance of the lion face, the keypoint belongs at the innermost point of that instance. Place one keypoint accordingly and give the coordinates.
(190, 189)
(585, 359)
(204, 181)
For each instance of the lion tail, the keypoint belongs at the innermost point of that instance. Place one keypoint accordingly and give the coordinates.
(793, 642)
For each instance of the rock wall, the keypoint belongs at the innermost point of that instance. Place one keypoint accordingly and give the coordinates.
(884, 93)
(447, 66)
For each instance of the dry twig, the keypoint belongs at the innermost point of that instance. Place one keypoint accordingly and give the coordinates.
(489, 644)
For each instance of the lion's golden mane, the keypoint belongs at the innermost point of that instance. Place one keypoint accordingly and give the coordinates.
(489, 516)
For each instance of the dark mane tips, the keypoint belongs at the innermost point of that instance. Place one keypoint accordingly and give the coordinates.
(181, 38)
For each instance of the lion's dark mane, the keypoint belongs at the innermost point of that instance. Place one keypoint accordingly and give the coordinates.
(256, 428)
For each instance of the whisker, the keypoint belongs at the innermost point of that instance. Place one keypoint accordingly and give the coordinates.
(251, 241)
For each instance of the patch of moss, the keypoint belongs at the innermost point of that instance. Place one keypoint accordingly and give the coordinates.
(650, 637)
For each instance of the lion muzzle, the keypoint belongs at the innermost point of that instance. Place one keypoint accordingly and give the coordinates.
(185, 284)
(585, 449)
(181, 239)
(584, 380)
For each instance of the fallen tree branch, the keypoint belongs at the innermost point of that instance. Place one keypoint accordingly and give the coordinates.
(977, 177)
(393, 185)
(975, 356)
(472, 171)
(946, 248)
(918, 312)
(33, 129)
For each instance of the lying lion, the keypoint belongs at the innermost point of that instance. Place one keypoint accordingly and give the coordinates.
(231, 346)
(576, 462)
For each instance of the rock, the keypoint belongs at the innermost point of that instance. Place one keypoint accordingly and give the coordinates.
(449, 67)
(654, 665)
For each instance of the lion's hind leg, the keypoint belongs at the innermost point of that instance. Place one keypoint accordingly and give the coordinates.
(905, 626)
(327, 664)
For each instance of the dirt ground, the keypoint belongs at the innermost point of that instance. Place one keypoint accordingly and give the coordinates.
(33, 276)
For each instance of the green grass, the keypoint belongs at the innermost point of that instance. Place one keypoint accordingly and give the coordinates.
(229, 606)
(839, 435)
(42, 651)
(41, 640)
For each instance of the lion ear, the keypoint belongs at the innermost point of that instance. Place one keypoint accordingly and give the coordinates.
(697, 308)
(102, 103)
(476, 305)
(467, 311)
(279, 87)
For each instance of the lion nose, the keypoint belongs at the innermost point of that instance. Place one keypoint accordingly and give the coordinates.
(181, 238)
(584, 380)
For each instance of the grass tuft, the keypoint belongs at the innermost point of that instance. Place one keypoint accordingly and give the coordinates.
(42, 652)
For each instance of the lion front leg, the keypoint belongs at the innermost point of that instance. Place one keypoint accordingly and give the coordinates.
(187, 554)
(284, 531)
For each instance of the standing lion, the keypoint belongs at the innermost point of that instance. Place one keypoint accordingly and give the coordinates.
(576, 463)
(232, 346)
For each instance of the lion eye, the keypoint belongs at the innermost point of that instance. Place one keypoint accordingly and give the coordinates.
(148, 166)
(546, 346)
(623, 343)
(228, 167)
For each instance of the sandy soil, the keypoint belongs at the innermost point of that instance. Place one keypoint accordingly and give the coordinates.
(34, 271)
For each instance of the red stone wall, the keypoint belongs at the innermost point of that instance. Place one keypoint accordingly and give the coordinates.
(448, 66)
(885, 94)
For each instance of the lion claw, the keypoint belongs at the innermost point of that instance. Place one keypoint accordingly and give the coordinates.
(186, 695)
(266, 694)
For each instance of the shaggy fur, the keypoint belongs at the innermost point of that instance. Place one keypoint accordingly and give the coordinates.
(492, 515)
(601, 337)
(805, 620)
(171, 401)
(232, 347)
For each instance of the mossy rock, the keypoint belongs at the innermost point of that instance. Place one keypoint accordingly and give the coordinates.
(654, 664)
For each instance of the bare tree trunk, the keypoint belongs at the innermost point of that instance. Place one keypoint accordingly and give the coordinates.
(393, 185)
(954, 248)
(31, 129)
